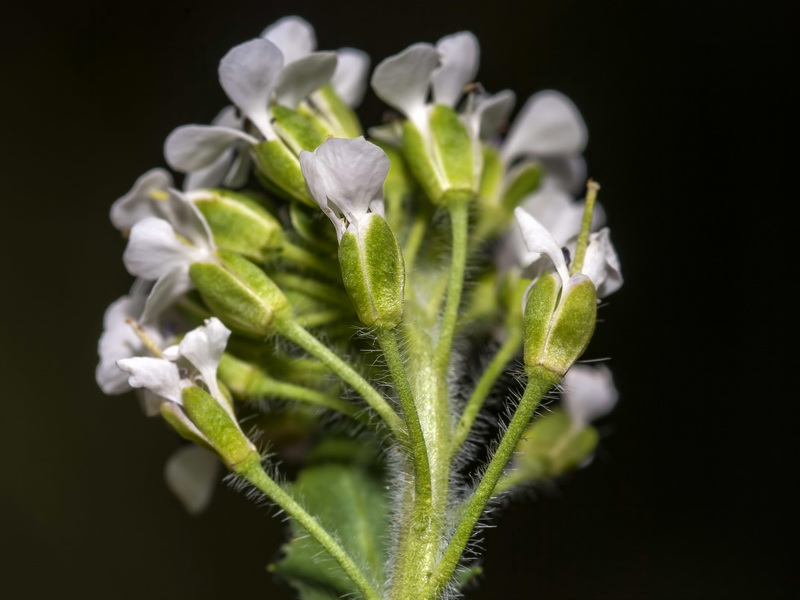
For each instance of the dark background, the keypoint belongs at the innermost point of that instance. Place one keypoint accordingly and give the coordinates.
(687, 105)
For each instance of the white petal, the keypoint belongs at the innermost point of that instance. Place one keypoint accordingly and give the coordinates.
(589, 393)
(491, 113)
(538, 239)
(568, 171)
(549, 125)
(314, 174)
(212, 175)
(203, 348)
(171, 286)
(156, 374)
(138, 203)
(117, 341)
(193, 147)
(459, 55)
(347, 173)
(248, 74)
(350, 77)
(300, 78)
(601, 263)
(154, 250)
(556, 210)
(403, 80)
(192, 473)
(293, 35)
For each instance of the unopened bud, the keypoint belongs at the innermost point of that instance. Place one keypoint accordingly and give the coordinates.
(558, 322)
(239, 293)
(551, 446)
(373, 272)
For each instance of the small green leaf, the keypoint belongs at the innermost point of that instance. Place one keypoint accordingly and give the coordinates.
(350, 503)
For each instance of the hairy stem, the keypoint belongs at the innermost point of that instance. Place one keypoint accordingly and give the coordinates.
(252, 471)
(540, 381)
(294, 332)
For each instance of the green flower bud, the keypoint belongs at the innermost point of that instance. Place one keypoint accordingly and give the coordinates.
(551, 446)
(217, 425)
(241, 224)
(280, 171)
(373, 272)
(239, 293)
(558, 322)
(444, 162)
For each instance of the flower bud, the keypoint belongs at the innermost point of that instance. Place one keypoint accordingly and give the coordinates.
(216, 424)
(551, 446)
(241, 224)
(373, 272)
(444, 162)
(558, 327)
(239, 293)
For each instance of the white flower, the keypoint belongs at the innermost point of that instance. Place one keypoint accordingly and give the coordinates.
(163, 249)
(405, 80)
(600, 264)
(194, 361)
(119, 341)
(589, 393)
(345, 178)
(280, 67)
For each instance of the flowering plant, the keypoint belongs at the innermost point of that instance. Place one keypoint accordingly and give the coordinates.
(366, 292)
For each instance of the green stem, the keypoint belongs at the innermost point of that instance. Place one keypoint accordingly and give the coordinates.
(414, 239)
(272, 388)
(252, 471)
(314, 289)
(459, 222)
(422, 471)
(506, 352)
(586, 226)
(325, 317)
(294, 332)
(540, 381)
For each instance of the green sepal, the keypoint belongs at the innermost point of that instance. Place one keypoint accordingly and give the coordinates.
(373, 273)
(539, 307)
(350, 501)
(176, 418)
(573, 324)
(239, 293)
(299, 130)
(420, 162)
(214, 422)
(521, 181)
(280, 166)
(492, 173)
(453, 147)
(341, 116)
(558, 329)
(241, 224)
(551, 446)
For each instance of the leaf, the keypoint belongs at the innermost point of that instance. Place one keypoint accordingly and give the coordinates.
(349, 502)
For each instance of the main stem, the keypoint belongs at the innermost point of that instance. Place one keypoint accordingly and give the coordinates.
(540, 381)
(292, 331)
(252, 471)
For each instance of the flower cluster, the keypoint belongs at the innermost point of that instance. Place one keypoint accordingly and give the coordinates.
(437, 237)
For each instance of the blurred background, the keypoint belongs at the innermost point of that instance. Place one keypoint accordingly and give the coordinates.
(687, 105)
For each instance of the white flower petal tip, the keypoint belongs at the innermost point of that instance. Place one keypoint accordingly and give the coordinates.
(540, 241)
(304, 76)
(203, 348)
(348, 174)
(136, 204)
(491, 113)
(549, 125)
(403, 80)
(191, 473)
(350, 78)
(154, 250)
(601, 263)
(156, 374)
(193, 147)
(459, 55)
(589, 393)
(293, 35)
(248, 73)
